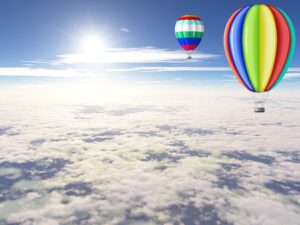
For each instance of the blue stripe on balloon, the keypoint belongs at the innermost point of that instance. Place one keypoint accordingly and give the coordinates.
(236, 46)
(183, 41)
(194, 41)
(198, 41)
(180, 41)
(189, 41)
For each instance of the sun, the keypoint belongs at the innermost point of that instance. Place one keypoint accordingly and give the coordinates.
(92, 44)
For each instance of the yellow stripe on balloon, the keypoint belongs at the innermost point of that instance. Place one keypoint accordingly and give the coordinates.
(267, 45)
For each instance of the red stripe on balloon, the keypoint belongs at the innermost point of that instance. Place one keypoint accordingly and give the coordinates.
(227, 49)
(283, 46)
(189, 18)
(189, 47)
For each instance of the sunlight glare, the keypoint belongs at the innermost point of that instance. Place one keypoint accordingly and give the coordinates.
(92, 44)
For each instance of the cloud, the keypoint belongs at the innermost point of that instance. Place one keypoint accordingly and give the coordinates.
(4, 130)
(124, 29)
(292, 75)
(68, 59)
(171, 155)
(171, 69)
(246, 156)
(293, 72)
(294, 69)
(43, 72)
(123, 56)
(284, 187)
(130, 55)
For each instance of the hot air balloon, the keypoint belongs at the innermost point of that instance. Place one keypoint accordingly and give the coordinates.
(189, 31)
(259, 42)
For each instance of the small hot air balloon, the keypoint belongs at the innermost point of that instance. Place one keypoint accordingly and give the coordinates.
(189, 31)
(259, 42)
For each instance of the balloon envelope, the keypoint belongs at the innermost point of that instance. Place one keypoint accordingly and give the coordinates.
(189, 31)
(259, 42)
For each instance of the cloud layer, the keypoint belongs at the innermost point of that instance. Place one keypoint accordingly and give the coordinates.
(147, 155)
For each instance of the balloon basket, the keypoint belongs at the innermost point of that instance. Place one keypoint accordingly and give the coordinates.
(189, 57)
(259, 101)
(259, 109)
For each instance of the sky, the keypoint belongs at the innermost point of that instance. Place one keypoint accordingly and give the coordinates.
(43, 38)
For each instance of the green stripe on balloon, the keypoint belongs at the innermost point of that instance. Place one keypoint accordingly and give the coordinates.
(188, 34)
(251, 46)
(292, 48)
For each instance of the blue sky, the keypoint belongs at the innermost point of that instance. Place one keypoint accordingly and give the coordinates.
(35, 33)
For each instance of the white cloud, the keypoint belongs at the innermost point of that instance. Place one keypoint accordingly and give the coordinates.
(292, 72)
(131, 55)
(43, 72)
(171, 69)
(124, 29)
(48, 72)
(163, 154)
(294, 69)
(292, 75)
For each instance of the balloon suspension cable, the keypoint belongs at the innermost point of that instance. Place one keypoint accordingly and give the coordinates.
(259, 101)
(189, 55)
(266, 96)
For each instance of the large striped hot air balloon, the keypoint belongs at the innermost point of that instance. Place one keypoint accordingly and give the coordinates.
(189, 31)
(259, 42)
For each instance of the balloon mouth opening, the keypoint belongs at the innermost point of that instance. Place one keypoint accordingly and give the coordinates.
(259, 109)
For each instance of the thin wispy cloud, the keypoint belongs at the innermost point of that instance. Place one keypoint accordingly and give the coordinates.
(43, 72)
(130, 55)
(170, 69)
(293, 72)
(292, 75)
(124, 29)
(294, 69)
(30, 70)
